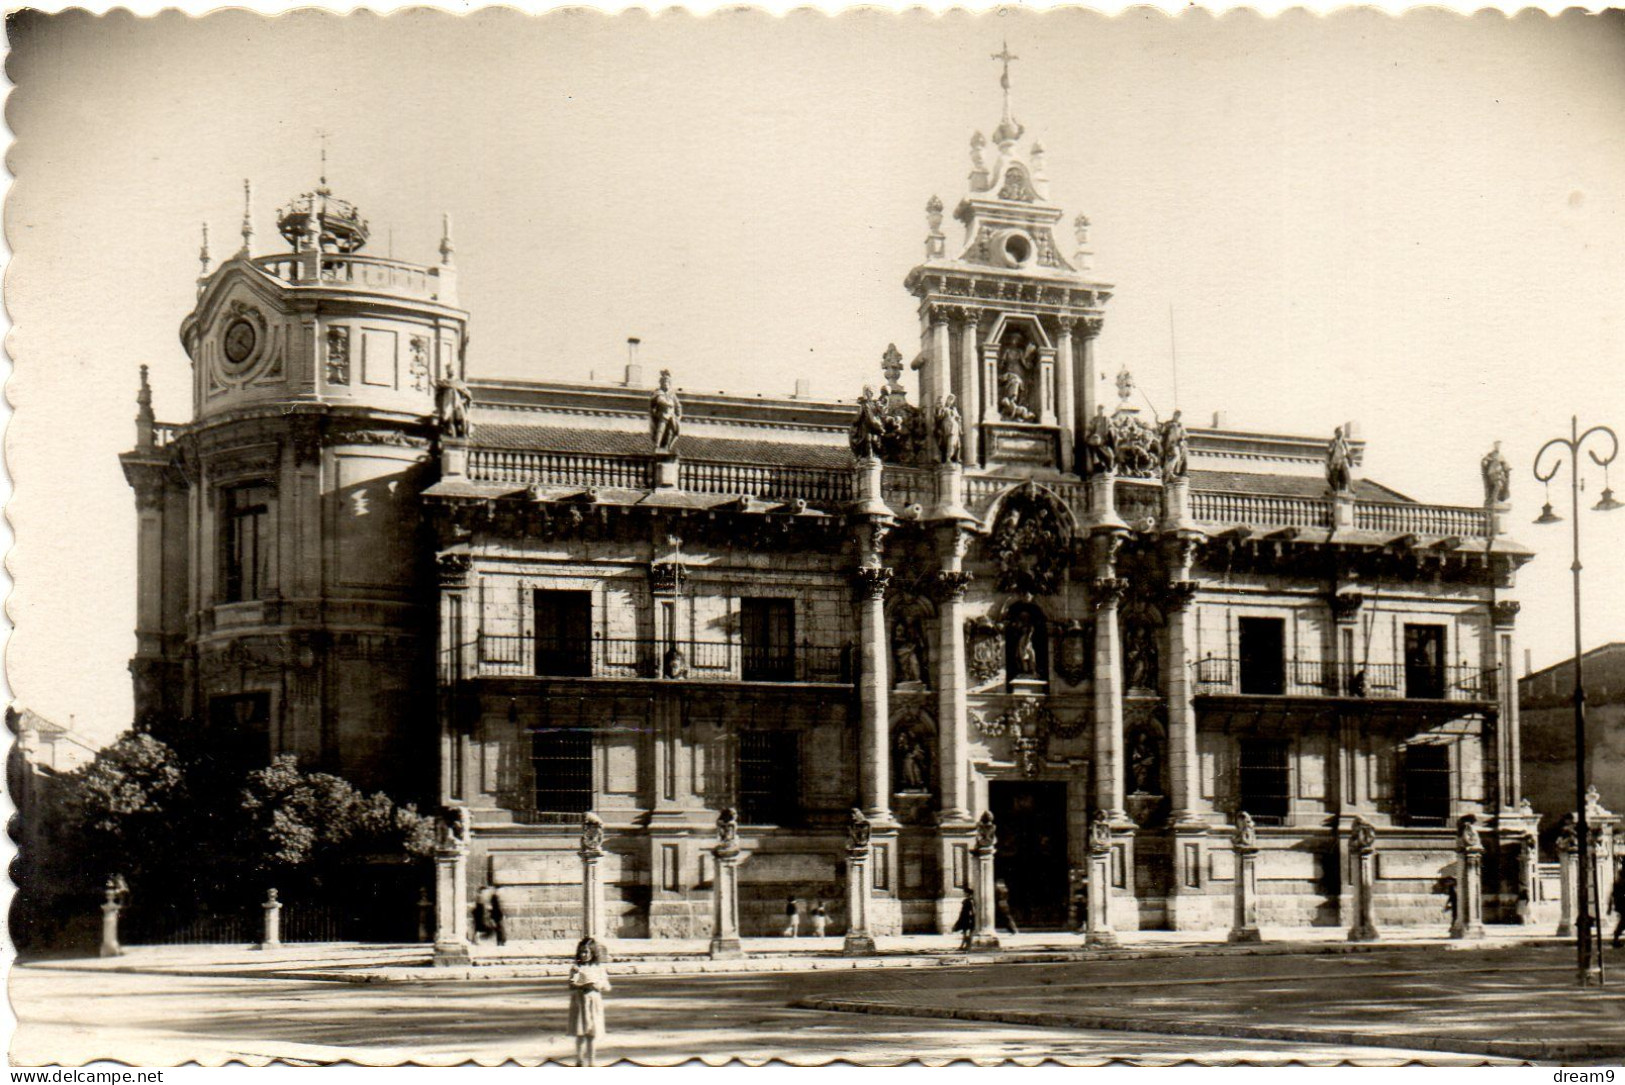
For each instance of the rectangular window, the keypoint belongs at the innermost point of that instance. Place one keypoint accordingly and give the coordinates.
(768, 632)
(769, 777)
(1264, 787)
(1424, 661)
(564, 634)
(240, 728)
(1263, 655)
(1427, 785)
(562, 761)
(245, 541)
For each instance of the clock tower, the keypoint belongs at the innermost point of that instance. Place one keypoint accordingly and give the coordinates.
(286, 600)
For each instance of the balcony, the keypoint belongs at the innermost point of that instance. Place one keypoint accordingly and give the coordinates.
(506, 655)
(1365, 681)
(370, 274)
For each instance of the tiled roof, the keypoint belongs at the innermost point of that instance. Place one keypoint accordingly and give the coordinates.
(1245, 482)
(605, 442)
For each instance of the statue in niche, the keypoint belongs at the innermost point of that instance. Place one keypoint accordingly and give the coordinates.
(1140, 622)
(1145, 764)
(869, 427)
(950, 429)
(913, 770)
(1175, 453)
(858, 831)
(1025, 660)
(1015, 362)
(665, 415)
(1100, 444)
(1497, 477)
(453, 402)
(1246, 834)
(908, 651)
(1339, 463)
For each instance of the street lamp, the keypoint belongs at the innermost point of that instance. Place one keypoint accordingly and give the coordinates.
(1590, 964)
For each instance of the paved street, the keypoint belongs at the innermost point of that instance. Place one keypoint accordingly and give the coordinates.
(73, 1016)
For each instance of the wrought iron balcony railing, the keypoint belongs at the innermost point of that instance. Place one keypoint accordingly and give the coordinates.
(682, 659)
(1318, 678)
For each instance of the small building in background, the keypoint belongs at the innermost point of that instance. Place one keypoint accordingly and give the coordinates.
(1546, 703)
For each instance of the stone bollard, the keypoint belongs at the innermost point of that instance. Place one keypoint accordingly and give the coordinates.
(1244, 925)
(984, 936)
(592, 887)
(110, 912)
(1469, 919)
(1528, 876)
(451, 890)
(859, 941)
(725, 895)
(1568, 867)
(1363, 853)
(271, 933)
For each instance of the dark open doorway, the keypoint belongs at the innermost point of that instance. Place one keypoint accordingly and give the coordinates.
(1031, 858)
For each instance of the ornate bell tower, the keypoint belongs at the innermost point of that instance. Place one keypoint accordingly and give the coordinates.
(285, 602)
(1008, 325)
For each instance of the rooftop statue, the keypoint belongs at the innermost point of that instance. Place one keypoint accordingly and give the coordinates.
(454, 400)
(869, 427)
(665, 415)
(1497, 477)
(1175, 451)
(1100, 444)
(1339, 463)
(950, 429)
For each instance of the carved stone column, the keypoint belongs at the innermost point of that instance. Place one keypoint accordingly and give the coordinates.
(1066, 406)
(1244, 920)
(860, 941)
(1183, 766)
(1568, 872)
(874, 745)
(592, 888)
(1099, 930)
(1499, 663)
(110, 912)
(1469, 920)
(1083, 384)
(1108, 701)
(451, 904)
(271, 932)
(1363, 856)
(953, 728)
(725, 920)
(969, 381)
(939, 371)
(985, 937)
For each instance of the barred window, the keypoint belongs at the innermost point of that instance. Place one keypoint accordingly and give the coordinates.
(769, 777)
(1264, 787)
(1427, 784)
(768, 630)
(562, 760)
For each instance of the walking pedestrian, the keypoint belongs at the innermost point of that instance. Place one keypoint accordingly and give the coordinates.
(820, 916)
(1449, 886)
(965, 925)
(488, 915)
(792, 917)
(589, 982)
(1001, 907)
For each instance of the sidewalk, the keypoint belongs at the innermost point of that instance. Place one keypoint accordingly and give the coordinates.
(357, 963)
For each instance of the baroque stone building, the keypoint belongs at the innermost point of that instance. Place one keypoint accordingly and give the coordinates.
(1004, 590)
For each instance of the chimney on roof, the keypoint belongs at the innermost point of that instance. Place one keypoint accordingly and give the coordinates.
(1221, 420)
(803, 388)
(634, 371)
(1528, 657)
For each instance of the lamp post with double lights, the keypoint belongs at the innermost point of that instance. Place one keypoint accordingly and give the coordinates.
(1590, 960)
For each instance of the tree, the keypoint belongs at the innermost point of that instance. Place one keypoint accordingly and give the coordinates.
(123, 805)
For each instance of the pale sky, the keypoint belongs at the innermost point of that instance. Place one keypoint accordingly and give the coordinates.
(1416, 223)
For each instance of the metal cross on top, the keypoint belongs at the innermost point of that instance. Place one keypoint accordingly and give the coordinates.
(1007, 56)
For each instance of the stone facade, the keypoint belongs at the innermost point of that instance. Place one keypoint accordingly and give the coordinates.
(999, 594)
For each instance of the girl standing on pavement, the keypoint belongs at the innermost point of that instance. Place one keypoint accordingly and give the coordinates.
(589, 982)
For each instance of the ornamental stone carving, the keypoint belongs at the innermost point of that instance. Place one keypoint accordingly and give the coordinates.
(1346, 605)
(1362, 836)
(1030, 544)
(870, 582)
(1100, 834)
(453, 569)
(1246, 833)
(868, 432)
(1109, 591)
(1138, 446)
(592, 836)
(1073, 654)
(858, 831)
(987, 836)
(667, 577)
(727, 830)
(1505, 612)
(947, 585)
(1467, 838)
(337, 367)
(984, 655)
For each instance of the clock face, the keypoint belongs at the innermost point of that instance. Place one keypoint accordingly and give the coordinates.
(240, 340)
